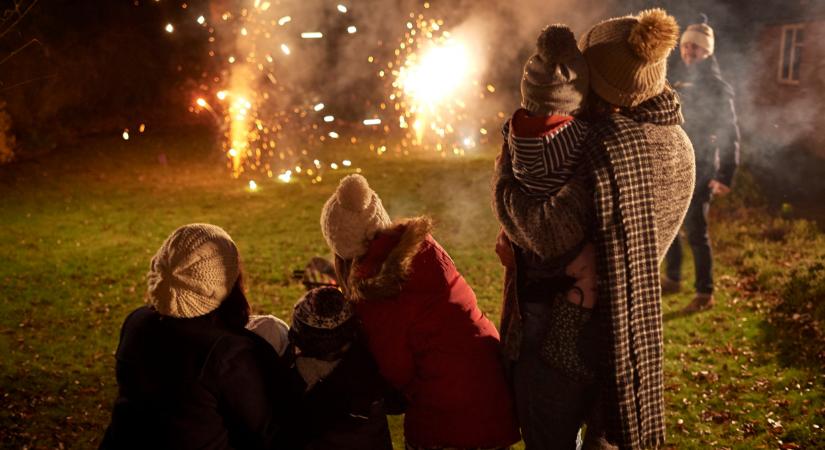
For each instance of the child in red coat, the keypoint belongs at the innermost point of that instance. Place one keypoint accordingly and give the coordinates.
(422, 323)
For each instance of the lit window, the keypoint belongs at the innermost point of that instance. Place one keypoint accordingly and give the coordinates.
(793, 39)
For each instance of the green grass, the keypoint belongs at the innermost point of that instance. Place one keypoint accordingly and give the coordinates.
(79, 227)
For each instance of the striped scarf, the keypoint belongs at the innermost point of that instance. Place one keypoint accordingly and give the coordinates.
(629, 293)
(544, 164)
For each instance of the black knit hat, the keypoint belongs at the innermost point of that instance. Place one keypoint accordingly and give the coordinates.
(323, 322)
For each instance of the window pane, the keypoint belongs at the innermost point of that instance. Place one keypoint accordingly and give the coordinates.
(800, 36)
(797, 59)
(787, 45)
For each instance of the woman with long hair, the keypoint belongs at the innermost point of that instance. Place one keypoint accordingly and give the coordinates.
(189, 374)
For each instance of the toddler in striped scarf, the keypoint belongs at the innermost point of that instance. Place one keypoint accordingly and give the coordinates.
(545, 145)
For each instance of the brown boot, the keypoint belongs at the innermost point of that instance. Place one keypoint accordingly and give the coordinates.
(701, 302)
(670, 286)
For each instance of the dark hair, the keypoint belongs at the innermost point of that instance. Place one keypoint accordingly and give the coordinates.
(234, 309)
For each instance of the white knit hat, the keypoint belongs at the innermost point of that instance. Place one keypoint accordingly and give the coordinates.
(700, 34)
(193, 271)
(352, 216)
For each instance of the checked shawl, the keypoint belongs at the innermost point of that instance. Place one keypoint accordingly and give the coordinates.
(629, 293)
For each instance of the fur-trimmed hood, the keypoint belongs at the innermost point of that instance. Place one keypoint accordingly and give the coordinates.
(385, 268)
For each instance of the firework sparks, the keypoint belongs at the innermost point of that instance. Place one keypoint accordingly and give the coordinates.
(268, 123)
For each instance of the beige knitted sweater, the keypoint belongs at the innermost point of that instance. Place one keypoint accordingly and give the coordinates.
(552, 228)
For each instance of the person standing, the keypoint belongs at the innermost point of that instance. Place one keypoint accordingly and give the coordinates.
(630, 202)
(710, 122)
(422, 324)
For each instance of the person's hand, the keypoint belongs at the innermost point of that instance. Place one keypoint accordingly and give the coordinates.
(505, 251)
(718, 188)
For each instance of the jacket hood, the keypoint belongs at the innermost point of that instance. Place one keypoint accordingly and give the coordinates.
(385, 268)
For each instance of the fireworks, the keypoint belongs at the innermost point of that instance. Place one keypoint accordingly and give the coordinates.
(434, 79)
(275, 126)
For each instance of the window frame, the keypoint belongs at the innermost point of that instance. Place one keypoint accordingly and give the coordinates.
(795, 54)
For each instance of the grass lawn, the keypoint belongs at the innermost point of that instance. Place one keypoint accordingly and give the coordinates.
(80, 226)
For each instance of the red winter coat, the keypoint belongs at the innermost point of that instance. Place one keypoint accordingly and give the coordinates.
(431, 341)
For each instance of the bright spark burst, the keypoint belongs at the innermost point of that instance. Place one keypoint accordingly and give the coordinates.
(312, 35)
(351, 29)
(169, 28)
(342, 9)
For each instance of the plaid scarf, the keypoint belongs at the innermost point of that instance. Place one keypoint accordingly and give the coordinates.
(629, 293)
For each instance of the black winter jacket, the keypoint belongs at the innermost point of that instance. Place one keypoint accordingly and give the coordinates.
(192, 383)
(710, 119)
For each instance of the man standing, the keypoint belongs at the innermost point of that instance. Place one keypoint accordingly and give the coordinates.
(710, 122)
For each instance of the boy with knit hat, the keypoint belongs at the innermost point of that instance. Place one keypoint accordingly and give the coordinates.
(545, 143)
(335, 364)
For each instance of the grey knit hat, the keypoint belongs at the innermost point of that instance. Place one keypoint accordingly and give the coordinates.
(323, 322)
(193, 271)
(555, 79)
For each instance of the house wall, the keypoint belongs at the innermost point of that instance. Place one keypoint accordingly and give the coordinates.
(786, 114)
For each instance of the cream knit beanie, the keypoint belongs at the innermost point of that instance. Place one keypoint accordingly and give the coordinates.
(700, 34)
(627, 56)
(193, 271)
(352, 216)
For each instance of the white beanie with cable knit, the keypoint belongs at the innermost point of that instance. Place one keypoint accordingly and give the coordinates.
(193, 271)
(352, 216)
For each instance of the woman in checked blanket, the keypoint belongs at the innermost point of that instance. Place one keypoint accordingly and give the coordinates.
(587, 210)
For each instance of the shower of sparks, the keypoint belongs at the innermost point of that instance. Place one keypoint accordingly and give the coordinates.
(271, 125)
(433, 80)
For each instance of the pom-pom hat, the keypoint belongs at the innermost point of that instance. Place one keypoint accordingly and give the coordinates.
(193, 271)
(555, 77)
(352, 216)
(627, 56)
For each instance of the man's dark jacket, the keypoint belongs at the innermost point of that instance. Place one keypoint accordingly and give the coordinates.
(710, 120)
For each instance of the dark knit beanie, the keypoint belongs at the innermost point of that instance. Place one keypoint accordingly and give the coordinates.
(323, 322)
(555, 79)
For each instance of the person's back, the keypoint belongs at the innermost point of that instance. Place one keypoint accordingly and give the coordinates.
(183, 384)
(673, 177)
(189, 374)
(339, 372)
(432, 341)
